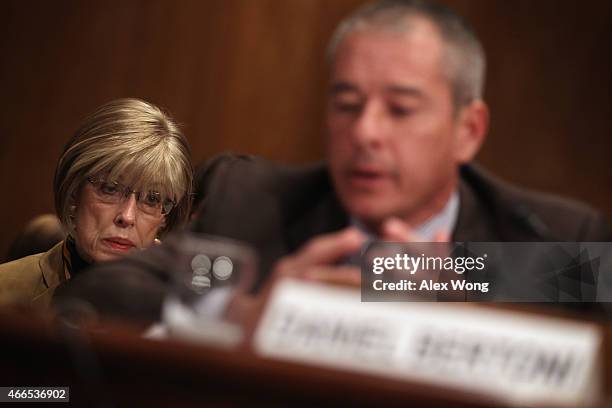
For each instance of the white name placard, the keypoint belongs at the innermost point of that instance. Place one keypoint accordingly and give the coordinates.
(525, 360)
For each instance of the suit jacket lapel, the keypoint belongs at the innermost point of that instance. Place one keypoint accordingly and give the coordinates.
(475, 222)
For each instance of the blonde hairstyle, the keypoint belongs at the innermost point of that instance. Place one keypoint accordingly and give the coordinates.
(132, 141)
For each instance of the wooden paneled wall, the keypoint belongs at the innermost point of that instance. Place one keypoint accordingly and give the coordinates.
(249, 76)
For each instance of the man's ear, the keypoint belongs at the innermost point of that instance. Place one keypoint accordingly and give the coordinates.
(472, 128)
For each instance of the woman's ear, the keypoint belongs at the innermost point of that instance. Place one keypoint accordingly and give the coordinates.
(162, 224)
(72, 210)
(77, 191)
(160, 230)
(73, 200)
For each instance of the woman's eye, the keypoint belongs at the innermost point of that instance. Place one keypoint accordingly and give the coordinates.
(152, 200)
(108, 188)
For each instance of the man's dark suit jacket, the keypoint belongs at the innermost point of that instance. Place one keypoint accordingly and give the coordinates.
(277, 208)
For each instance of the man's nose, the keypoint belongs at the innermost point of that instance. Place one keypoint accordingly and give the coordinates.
(369, 127)
(126, 214)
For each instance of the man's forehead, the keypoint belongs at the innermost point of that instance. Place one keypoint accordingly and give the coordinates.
(389, 55)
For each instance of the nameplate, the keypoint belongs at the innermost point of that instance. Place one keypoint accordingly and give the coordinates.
(520, 359)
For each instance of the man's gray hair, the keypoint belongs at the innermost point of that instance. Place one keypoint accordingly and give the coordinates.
(464, 60)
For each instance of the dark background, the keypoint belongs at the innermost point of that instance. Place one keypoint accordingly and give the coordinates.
(249, 76)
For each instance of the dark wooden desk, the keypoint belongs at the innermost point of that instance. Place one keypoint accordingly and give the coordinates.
(118, 367)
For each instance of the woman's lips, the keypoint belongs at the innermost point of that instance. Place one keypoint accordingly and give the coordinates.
(120, 244)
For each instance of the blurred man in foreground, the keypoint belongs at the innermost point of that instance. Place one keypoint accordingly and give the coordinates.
(405, 117)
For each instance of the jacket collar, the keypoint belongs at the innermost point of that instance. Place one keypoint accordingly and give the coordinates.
(475, 221)
(51, 265)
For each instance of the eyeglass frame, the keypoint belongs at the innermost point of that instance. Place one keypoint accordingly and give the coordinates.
(126, 191)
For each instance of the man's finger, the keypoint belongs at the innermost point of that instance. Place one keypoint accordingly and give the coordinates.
(442, 236)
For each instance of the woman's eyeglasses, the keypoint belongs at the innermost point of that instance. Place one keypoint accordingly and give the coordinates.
(149, 202)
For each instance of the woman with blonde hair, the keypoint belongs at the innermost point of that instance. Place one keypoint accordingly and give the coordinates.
(123, 180)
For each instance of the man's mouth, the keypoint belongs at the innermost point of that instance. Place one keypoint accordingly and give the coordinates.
(367, 177)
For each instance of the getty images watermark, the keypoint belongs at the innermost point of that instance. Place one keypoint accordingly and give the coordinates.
(487, 272)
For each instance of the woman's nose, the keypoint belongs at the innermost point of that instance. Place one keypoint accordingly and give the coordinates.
(126, 214)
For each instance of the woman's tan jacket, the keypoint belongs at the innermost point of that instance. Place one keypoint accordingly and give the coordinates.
(33, 279)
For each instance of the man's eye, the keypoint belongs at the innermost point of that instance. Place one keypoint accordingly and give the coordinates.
(109, 188)
(347, 107)
(400, 111)
(152, 199)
